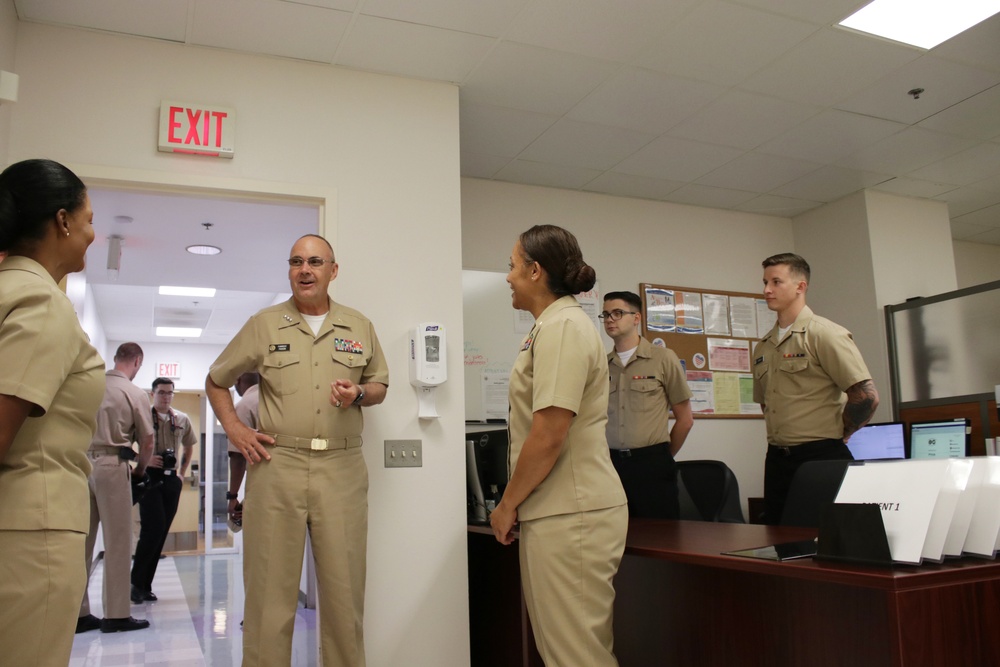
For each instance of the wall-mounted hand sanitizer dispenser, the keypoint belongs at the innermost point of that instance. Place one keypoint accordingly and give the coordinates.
(428, 365)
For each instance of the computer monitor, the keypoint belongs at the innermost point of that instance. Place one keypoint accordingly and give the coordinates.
(878, 441)
(939, 439)
(486, 468)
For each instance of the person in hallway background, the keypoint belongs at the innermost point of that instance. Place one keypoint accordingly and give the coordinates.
(51, 384)
(122, 418)
(563, 490)
(247, 388)
(647, 382)
(320, 364)
(810, 381)
(172, 433)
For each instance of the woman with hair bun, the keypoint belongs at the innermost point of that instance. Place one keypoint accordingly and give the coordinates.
(563, 491)
(51, 385)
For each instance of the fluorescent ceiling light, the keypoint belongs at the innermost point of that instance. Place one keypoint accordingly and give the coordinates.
(167, 290)
(923, 23)
(178, 332)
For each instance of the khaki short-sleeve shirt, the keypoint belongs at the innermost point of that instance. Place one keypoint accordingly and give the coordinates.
(562, 364)
(641, 395)
(296, 368)
(246, 412)
(124, 415)
(173, 432)
(801, 380)
(47, 360)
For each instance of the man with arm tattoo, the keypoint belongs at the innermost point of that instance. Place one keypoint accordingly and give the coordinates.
(810, 380)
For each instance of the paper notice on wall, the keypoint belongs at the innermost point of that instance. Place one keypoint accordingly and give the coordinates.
(743, 316)
(701, 386)
(716, 311)
(495, 388)
(729, 354)
(660, 314)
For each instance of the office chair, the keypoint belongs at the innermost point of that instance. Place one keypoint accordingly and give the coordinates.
(708, 491)
(815, 485)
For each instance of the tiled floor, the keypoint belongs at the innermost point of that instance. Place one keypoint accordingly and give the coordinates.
(195, 622)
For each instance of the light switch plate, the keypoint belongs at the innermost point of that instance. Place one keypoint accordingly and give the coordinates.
(403, 454)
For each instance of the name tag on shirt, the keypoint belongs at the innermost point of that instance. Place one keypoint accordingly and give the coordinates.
(279, 347)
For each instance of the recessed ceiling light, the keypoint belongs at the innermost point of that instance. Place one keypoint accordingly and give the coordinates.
(920, 23)
(178, 332)
(203, 250)
(169, 290)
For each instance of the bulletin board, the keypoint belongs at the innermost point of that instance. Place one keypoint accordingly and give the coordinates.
(713, 333)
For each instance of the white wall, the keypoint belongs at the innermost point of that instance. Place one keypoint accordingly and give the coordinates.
(976, 263)
(8, 34)
(389, 149)
(629, 241)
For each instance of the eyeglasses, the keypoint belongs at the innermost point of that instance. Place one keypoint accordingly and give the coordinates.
(314, 262)
(616, 314)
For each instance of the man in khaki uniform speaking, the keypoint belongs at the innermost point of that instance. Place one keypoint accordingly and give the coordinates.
(809, 379)
(646, 383)
(319, 363)
(123, 417)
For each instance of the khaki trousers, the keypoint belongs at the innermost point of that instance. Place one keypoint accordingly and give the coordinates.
(41, 582)
(111, 506)
(568, 565)
(326, 493)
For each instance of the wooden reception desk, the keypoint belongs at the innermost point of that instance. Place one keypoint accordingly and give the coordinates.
(680, 602)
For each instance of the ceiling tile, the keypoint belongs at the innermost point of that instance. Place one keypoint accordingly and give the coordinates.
(780, 206)
(723, 43)
(704, 195)
(905, 151)
(976, 46)
(675, 159)
(828, 67)
(407, 49)
(475, 165)
(161, 19)
(602, 29)
(965, 168)
(945, 84)
(962, 201)
(820, 12)
(644, 100)
(491, 18)
(272, 28)
(829, 183)
(991, 182)
(912, 187)
(757, 172)
(991, 236)
(534, 79)
(831, 135)
(501, 132)
(964, 231)
(630, 185)
(570, 143)
(742, 120)
(977, 117)
(537, 173)
(984, 217)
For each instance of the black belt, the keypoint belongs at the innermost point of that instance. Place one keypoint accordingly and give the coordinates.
(637, 452)
(788, 450)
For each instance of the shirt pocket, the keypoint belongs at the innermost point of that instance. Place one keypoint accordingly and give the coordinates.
(280, 372)
(794, 375)
(644, 394)
(350, 365)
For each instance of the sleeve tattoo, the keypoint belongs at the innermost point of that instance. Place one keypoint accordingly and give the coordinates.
(862, 400)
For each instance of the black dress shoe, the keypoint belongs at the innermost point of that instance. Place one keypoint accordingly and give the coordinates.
(149, 596)
(137, 596)
(123, 624)
(87, 623)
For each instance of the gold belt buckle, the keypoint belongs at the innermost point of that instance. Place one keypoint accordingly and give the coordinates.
(318, 444)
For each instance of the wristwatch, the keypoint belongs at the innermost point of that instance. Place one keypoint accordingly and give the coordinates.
(361, 396)
(232, 496)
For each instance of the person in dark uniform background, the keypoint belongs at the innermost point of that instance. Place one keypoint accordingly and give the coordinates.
(810, 381)
(173, 433)
(647, 382)
(247, 387)
(51, 384)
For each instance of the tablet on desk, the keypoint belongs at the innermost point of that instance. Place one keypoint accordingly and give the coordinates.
(783, 551)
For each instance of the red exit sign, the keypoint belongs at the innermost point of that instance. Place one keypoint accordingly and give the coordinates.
(168, 369)
(197, 129)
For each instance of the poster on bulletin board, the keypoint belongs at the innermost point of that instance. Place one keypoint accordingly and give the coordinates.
(713, 333)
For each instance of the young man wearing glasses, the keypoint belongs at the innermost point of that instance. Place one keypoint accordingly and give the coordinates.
(647, 381)
(320, 363)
